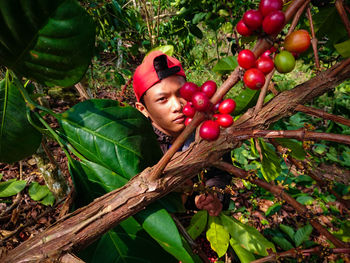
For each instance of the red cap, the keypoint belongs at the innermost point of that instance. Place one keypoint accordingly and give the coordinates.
(155, 67)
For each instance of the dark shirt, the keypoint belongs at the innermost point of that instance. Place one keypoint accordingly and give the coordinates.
(213, 176)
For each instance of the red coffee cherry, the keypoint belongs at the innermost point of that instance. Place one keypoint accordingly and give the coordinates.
(273, 22)
(209, 88)
(227, 106)
(200, 101)
(253, 19)
(224, 120)
(254, 79)
(267, 6)
(189, 110)
(266, 54)
(187, 121)
(246, 59)
(265, 65)
(209, 130)
(187, 90)
(243, 29)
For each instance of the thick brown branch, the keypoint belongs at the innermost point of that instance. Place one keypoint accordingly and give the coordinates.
(279, 193)
(322, 114)
(301, 135)
(80, 228)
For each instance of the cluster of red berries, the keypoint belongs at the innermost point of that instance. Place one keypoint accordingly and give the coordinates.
(269, 17)
(198, 99)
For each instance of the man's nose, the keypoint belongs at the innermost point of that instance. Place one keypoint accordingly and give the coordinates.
(178, 103)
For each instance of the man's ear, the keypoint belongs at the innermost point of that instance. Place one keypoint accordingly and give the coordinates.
(142, 109)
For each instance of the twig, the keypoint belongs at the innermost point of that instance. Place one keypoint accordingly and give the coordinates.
(279, 193)
(13, 205)
(295, 253)
(158, 18)
(340, 8)
(322, 114)
(297, 17)
(301, 135)
(195, 248)
(313, 39)
(148, 22)
(263, 92)
(81, 90)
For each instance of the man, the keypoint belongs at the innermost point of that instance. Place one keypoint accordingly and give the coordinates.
(156, 84)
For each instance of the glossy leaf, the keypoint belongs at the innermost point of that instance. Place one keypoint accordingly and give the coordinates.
(49, 41)
(217, 235)
(244, 255)
(167, 49)
(41, 193)
(288, 230)
(305, 200)
(343, 48)
(127, 242)
(11, 187)
(198, 224)
(270, 164)
(302, 234)
(297, 150)
(226, 65)
(273, 209)
(246, 236)
(18, 138)
(246, 99)
(111, 134)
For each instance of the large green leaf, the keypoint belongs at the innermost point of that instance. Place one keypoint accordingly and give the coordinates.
(245, 99)
(226, 65)
(11, 187)
(49, 41)
(343, 48)
(198, 224)
(18, 139)
(244, 255)
(126, 243)
(217, 235)
(41, 193)
(270, 164)
(111, 134)
(246, 236)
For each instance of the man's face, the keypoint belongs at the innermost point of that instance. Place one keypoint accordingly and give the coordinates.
(164, 105)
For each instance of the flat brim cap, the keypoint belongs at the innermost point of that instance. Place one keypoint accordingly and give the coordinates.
(155, 67)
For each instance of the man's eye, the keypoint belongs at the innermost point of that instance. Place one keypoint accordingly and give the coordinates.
(161, 99)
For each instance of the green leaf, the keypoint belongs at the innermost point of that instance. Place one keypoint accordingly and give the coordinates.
(302, 234)
(320, 148)
(126, 243)
(282, 242)
(167, 49)
(111, 134)
(343, 48)
(273, 209)
(217, 235)
(270, 164)
(246, 236)
(305, 200)
(288, 230)
(198, 224)
(49, 41)
(196, 31)
(225, 65)
(244, 255)
(41, 193)
(246, 99)
(11, 187)
(327, 22)
(18, 138)
(198, 17)
(297, 150)
(344, 232)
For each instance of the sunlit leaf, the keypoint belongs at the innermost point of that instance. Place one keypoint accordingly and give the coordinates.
(11, 187)
(217, 235)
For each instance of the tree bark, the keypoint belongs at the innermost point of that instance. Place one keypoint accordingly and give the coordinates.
(82, 227)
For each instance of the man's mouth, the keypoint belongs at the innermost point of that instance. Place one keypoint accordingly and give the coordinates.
(179, 119)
